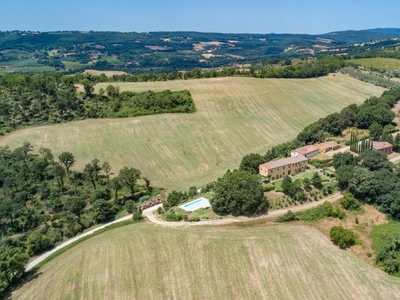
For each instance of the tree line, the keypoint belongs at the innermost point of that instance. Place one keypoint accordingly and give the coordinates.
(45, 200)
(320, 67)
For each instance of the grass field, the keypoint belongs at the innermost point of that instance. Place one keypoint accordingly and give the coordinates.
(381, 233)
(143, 261)
(27, 69)
(378, 63)
(235, 116)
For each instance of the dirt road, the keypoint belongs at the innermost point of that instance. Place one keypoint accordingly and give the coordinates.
(149, 214)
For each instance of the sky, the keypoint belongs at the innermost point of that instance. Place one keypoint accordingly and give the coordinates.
(228, 16)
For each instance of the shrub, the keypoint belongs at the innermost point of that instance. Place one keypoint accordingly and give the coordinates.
(289, 216)
(172, 216)
(268, 187)
(129, 206)
(137, 215)
(349, 202)
(144, 198)
(192, 192)
(342, 237)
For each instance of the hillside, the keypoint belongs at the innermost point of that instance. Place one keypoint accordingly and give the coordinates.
(143, 261)
(235, 116)
(31, 51)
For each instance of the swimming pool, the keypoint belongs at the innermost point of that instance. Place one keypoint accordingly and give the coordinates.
(196, 204)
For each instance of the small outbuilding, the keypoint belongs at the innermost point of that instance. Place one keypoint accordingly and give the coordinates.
(328, 146)
(383, 147)
(306, 151)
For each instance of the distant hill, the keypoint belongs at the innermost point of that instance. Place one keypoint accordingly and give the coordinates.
(29, 51)
(360, 36)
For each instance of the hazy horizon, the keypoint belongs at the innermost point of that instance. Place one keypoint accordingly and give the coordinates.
(253, 16)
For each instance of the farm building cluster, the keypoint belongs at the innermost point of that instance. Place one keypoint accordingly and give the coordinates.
(298, 160)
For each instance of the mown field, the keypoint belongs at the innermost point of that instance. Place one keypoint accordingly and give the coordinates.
(378, 63)
(142, 261)
(235, 116)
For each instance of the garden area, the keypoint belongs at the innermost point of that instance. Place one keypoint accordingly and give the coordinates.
(299, 189)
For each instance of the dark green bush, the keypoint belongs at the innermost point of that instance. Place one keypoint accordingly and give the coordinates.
(342, 237)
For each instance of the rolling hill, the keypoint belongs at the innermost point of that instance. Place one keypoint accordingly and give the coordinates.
(235, 116)
(143, 261)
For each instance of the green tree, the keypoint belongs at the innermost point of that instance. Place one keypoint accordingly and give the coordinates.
(343, 175)
(174, 198)
(375, 130)
(12, 264)
(107, 170)
(388, 257)
(306, 182)
(192, 192)
(68, 160)
(116, 185)
(374, 160)
(129, 206)
(349, 202)
(343, 159)
(137, 215)
(103, 211)
(75, 205)
(129, 177)
(90, 174)
(147, 184)
(316, 179)
(288, 187)
(251, 162)
(58, 172)
(89, 87)
(238, 192)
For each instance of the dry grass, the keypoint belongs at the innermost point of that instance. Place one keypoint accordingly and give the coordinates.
(235, 116)
(367, 219)
(143, 261)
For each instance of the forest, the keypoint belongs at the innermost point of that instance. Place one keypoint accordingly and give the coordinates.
(44, 200)
(37, 99)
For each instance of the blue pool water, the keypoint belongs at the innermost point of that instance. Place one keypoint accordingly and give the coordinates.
(196, 204)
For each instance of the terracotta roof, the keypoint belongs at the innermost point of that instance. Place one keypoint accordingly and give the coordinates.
(306, 149)
(328, 144)
(381, 145)
(284, 162)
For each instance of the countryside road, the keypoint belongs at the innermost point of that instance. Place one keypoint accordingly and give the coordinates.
(149, 214)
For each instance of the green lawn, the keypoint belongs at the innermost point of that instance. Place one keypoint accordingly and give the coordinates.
(235, 116)
(302, 175)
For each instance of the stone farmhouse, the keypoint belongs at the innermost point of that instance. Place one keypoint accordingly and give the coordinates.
(283, 167)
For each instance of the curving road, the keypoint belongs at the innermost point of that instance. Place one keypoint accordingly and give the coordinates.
(149, 214)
